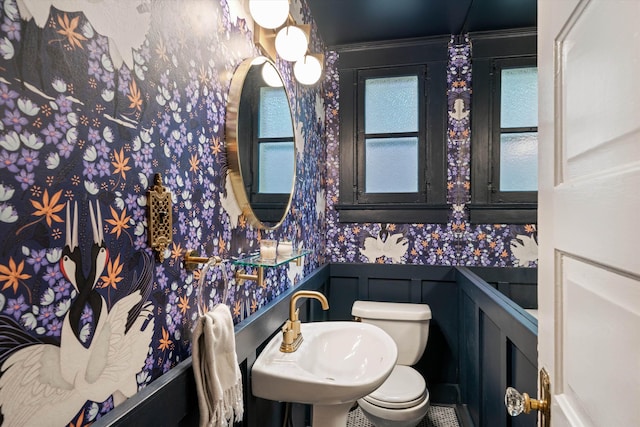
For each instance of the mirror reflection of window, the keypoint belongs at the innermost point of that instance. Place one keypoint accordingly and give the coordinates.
(275, 142)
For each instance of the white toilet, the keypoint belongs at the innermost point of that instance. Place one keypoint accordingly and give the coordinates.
(403, 399)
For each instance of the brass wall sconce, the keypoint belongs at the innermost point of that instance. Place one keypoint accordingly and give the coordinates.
(288, 40)
(160, 217)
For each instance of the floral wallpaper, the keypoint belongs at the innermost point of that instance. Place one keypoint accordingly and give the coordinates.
(455, 243)
(94, 100)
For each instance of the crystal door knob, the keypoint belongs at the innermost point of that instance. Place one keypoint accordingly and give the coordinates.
(518, 403)
(514, 401)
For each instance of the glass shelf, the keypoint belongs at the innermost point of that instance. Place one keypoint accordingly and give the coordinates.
(254, 260)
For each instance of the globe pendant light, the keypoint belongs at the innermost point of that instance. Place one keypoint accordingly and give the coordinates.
(291, 43)
(308, 70)
(269, 14)
(270, 75)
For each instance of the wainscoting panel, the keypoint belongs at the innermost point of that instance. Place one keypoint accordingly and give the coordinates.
(435, 286)
(498, 343)
(479, 343)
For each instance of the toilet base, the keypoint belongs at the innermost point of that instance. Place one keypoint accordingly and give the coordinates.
(383, 417)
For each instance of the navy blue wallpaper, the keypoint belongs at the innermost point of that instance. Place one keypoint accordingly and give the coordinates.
(93, 102)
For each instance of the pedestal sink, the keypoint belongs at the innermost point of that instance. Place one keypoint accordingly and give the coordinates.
(336, 364)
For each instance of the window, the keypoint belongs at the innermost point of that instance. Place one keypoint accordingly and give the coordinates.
(504, 136)
(515, 152)
(392, 143)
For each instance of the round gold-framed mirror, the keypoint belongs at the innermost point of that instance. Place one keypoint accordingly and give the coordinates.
(260, 143)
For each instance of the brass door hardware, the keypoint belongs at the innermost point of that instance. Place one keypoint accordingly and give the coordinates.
(518, 403)
(160, 217)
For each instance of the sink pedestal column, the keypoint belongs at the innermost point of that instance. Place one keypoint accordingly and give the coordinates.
(331, 415)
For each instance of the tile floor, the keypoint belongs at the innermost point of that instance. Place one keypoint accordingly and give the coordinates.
(438, 416)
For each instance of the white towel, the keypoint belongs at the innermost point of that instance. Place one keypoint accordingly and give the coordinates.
(215, 366)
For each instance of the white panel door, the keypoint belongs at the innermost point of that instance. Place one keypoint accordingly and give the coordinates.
(589, 209)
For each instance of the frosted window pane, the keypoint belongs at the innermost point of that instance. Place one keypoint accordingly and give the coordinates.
(275, 118)
(391, 105)
(391, 165)
(276, 167)
(519, 98)
(519, 162)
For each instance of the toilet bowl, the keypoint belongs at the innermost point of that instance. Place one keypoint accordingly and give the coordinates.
(403, 399)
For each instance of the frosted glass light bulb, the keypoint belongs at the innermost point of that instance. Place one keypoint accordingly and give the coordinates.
(269, 13)
(291, 43)
(270, 75)
(307, 70)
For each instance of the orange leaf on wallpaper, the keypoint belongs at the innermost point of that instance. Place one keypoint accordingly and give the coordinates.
(49, 207)
(135, 97)
(113, 274)
(119, 222)
(68, 30)
(165, 342)
(120, 164)
(12, 274)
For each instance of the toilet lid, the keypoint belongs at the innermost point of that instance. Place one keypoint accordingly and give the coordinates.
(404, 388)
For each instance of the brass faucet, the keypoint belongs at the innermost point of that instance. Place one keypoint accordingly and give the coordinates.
(291, 336)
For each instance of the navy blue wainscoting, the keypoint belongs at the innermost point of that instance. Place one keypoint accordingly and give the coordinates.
(435, 286)
(480, 342)
(498, 347)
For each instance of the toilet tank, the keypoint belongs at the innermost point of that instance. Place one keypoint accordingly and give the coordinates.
(407, 324)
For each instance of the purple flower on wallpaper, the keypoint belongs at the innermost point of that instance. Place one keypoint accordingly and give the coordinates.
(11, 28)
(9, 161)
(64, 104)
(95, 51)
(54, 328)
(46, 314)
(61, 122)
(13, 118)
(87, 315)
(107, 405)
(28, 159)
(51, 134)
(16, 306)
(61, 289)
(52, 274)
(26, 179)
(148, 363)
(7, 96)
(37, 259)
(103, 168)
(107, 78)
(64, 148)
(90, 169)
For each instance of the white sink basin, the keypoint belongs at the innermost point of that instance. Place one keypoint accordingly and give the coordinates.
(336, 364)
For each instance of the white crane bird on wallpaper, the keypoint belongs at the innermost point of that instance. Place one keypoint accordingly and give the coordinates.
(393, 246)
(47, 384)
(124, 23)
